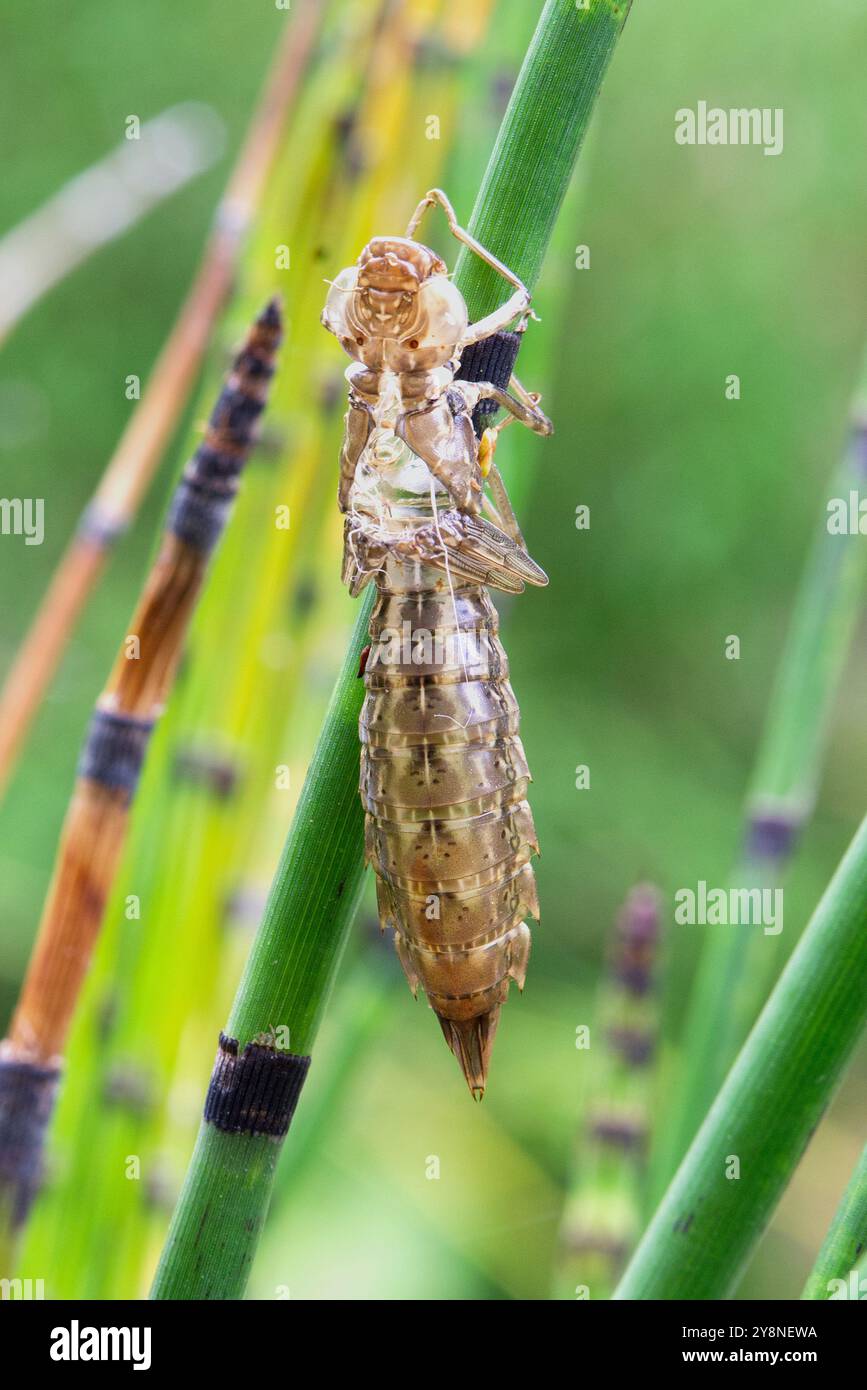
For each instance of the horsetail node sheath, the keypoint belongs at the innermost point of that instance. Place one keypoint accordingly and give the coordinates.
(444, 780)
(93, 836)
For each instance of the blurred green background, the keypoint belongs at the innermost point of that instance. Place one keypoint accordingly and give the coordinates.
(703, 262)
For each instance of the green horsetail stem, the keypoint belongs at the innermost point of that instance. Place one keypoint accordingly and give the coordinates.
(215, 1230)
(738, 963)
(742, 1158)
(602, 1217)
(836, 1273)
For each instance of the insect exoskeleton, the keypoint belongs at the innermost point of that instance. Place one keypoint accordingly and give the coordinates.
(397, 309)
(444, 780)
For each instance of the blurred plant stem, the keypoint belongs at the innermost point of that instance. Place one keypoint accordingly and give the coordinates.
(742, 1158)
(132, 467)
(296, 952)
(738, 962)
(844, 1245)
(602, 1215)
(103, 202)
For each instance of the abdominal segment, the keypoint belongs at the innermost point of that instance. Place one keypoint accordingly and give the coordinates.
(444, 782)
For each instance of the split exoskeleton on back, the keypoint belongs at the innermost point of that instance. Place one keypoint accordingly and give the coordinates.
(405, 324)
(444, 780)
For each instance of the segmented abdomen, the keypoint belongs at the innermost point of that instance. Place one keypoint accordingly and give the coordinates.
(444, 782)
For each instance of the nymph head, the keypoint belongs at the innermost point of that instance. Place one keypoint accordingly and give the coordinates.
(391, 272)
(398, 290)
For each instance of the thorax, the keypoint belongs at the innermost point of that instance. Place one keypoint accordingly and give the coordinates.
(389, 393)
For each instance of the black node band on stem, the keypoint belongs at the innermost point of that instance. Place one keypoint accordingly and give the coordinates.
(203, 498)
(254, 1091)
(98, 528)
(27, 1093)
(619, 1132)
(492, 359)
(771, 836)
(114, 750)
(635, 1046)
(218, 774)
(199, 515)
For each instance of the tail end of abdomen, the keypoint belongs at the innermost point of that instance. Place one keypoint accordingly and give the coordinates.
(470, 1040)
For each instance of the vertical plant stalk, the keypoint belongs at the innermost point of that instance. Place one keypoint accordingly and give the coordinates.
(539, 141)
(845, 1244)
(137, 457)
(742, 1158)
(96, 822)
(219, 1215)
(602, 1218)
(738, 963)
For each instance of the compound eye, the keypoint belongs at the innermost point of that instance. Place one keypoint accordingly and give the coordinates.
(413, 343)
(361, 341)
(443, 312)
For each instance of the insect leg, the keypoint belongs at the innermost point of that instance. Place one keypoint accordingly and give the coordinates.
(499, 506)
(436, 196)
(357, 425)
(529, 398)
(527, 411)
(508, 521)
(518, 303)
(491, 512)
